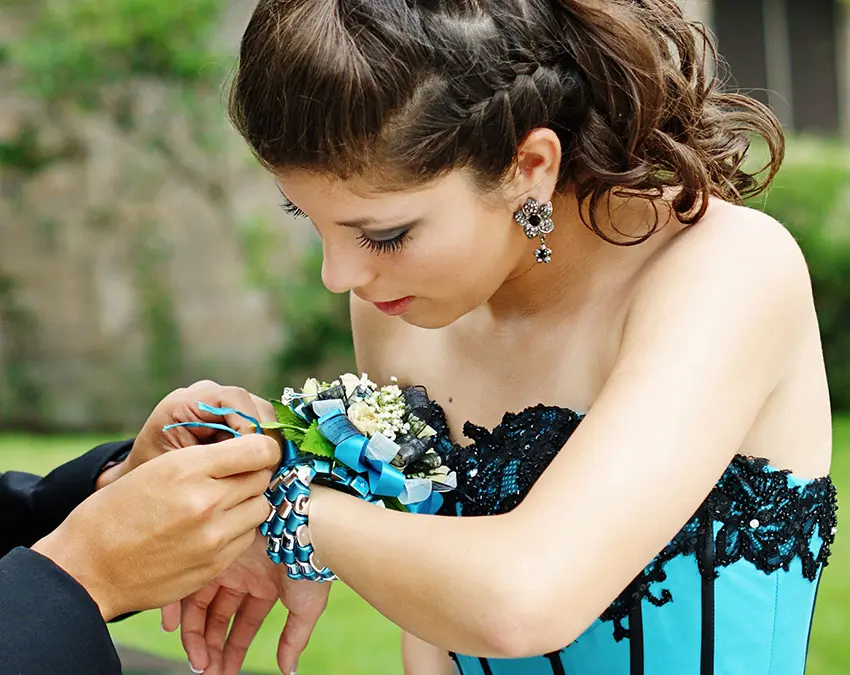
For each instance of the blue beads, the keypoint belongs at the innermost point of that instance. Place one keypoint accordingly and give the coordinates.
(277, 526)
(278, 495)
(297, 489)
(360, 485)
(294, 521)
(287, 523)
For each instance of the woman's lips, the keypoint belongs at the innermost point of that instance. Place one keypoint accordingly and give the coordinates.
(395, 307)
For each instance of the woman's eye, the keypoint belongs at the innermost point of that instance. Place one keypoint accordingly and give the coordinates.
(291, 209)
(381, 246)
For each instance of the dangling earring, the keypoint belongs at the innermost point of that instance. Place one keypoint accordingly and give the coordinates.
(536, 220)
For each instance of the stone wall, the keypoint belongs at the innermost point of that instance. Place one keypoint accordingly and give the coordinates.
(125, 269)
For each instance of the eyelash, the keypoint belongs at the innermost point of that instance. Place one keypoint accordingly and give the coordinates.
(393, 245)
(291, 209)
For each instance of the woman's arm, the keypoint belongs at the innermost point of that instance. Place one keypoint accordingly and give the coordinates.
(710, 335)
(420, 658)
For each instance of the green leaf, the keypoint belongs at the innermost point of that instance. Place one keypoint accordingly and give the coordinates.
(393, 504)
(293, 426)
(316, 444)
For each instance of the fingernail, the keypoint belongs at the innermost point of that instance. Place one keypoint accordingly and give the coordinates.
(192, 668)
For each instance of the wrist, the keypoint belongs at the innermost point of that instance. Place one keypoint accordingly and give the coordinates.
(111, 473)
(286, 527)
(77, 563)
(114, 469)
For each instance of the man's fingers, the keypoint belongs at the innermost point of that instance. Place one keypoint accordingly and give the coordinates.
(193, 623)
(183, 405)
(265, 410)
(235, 398)
(244, 486)
(239, 455)
(243, 520)
(249, 618)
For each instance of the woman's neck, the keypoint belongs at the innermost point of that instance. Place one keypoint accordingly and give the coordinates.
(585, 269)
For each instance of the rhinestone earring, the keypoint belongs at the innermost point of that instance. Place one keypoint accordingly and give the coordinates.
(536, 219)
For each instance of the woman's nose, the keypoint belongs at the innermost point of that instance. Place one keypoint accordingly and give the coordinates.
(344, 270)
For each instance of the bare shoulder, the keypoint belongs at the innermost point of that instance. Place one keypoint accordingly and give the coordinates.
(734, 253)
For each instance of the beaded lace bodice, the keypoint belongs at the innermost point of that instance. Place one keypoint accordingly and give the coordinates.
(756, 512)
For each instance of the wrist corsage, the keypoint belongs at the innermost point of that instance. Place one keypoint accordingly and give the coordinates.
(352, 435)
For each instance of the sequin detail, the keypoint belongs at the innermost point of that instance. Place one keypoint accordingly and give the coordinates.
(763, 517)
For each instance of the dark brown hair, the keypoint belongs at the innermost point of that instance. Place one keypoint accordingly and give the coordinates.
(411, 89)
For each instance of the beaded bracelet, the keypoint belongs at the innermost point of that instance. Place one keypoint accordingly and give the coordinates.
(286, 527)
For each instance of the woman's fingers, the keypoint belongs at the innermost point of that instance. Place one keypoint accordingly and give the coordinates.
(219, 613)
(294, 638)
(249, 618)
(193, 625)
(170, 617)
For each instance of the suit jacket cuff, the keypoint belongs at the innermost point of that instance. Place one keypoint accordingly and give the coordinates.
(48, 622)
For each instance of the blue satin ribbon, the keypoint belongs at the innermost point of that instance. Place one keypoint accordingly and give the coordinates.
(428, 506)
(381, 479)
(205, 425)
(290, 454)
(222, 412)
(384, 480)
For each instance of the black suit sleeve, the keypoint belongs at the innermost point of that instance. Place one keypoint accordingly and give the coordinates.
(32, 507)
(48, 622)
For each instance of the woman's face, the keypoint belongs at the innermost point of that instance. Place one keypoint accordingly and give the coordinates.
(428, 255)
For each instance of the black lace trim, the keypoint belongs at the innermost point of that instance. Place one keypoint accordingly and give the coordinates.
(763, 518)
(501, 466)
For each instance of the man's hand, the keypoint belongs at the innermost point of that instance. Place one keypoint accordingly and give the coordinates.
(167, 528)
(182, 406)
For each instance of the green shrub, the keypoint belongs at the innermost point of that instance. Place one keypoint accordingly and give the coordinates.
(75, 47)
(318, 328)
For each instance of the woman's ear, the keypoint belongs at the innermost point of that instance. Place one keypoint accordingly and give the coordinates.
(537, 168)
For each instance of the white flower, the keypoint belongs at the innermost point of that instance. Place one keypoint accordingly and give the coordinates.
(310, 390)
(364, 418)
(350, 382)
(288, 396)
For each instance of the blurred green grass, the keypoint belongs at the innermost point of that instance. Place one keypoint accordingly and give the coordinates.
(353, 638)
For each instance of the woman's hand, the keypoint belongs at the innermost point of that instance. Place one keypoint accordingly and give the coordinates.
(168, 527)
(246, 592)
(181, 405)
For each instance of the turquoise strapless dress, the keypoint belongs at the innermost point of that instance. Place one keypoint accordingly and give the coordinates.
(732, 594)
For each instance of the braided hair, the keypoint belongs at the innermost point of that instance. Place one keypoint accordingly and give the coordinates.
(408, 90)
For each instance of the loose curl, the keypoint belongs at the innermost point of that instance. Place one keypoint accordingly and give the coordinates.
(416, 88)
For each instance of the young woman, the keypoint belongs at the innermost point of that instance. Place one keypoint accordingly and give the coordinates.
(536, 206)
